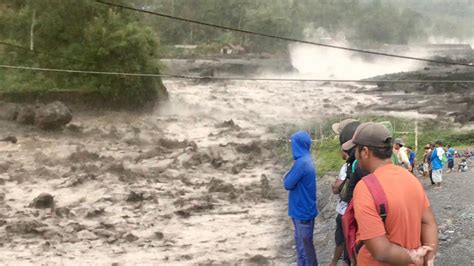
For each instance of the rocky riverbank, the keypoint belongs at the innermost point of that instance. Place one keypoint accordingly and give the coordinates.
(453, 101)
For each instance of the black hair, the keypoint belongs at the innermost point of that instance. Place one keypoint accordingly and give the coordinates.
(410, 147)
(381, 153)
(439, 142)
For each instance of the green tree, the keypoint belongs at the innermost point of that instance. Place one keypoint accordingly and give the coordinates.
(96, 37)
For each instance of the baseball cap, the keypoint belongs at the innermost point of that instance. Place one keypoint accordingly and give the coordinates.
(370, 134)
(399, 142)
(338, 127)
(348, 132)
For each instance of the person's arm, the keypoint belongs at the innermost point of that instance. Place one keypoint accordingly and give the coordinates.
(404, 158)
(434, 154)
(336, 186)
(429, 234)
(384, 251)
(371, 230)
(294, 175)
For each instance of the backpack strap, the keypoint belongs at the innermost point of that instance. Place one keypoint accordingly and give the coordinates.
(354, 165)
(378, 195)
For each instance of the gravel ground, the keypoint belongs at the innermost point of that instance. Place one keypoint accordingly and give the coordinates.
(454, 210)
(453, 207)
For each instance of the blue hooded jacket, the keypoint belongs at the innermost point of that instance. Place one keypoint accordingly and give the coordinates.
(300, 181)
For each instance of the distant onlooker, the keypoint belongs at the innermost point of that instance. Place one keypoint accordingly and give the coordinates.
(432, 148)
(426, 160)
(450, 155)
(462, 166)
(411, 158)
(400, 154)
(437, 163)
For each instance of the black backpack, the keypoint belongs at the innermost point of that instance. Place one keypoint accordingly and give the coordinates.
(345, 189)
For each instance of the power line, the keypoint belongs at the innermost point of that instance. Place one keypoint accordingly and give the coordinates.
(40, 52)
(280, 37)
(73, 71)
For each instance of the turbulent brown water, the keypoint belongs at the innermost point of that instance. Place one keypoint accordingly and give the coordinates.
(197, 181)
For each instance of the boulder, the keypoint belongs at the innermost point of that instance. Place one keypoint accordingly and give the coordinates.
(26, 115)
(8, 111)
(43, 201)
(87, 235)
(53, 116)
(24, 227)
(11, 139)
(217, 185)
(258, 260)
(130, 237)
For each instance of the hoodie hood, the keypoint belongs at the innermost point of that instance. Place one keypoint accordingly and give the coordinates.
(300, 144)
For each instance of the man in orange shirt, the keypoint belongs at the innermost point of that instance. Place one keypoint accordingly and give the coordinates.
(409, 234)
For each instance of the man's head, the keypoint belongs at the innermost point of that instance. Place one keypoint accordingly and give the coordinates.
(373, 144)
(300, 144)
(448, 146)
(345, 134)
(338, 127)
(438, 143)
(397, 144)
(410, 148)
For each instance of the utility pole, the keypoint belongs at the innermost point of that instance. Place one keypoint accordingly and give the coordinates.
(416, 135)
(32, 37)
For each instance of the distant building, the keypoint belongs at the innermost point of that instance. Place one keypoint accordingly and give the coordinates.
(428, 47)
(232, 49)
(185, 46)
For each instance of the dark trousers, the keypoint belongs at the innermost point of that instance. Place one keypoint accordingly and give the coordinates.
(340, 241)
(304, 243)
(451, 164)
(431, 177)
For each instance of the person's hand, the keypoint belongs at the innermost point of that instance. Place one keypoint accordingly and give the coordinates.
(418, 255)
(430, 262)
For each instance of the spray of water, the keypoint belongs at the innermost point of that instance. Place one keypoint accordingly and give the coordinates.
(321, 62)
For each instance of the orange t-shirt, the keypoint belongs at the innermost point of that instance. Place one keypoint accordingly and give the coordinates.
(406, 201)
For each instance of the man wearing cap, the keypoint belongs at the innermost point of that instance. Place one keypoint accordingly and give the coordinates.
(409, 234)
(345, 130)
(300, 181)
(400, 153)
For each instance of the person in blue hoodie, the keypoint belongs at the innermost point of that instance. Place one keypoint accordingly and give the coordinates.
(300, 181)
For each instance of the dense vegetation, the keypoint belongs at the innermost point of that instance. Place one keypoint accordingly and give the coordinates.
(365, 23)
(79, 35)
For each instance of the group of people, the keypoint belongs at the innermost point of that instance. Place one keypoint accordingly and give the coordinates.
(383, 215)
